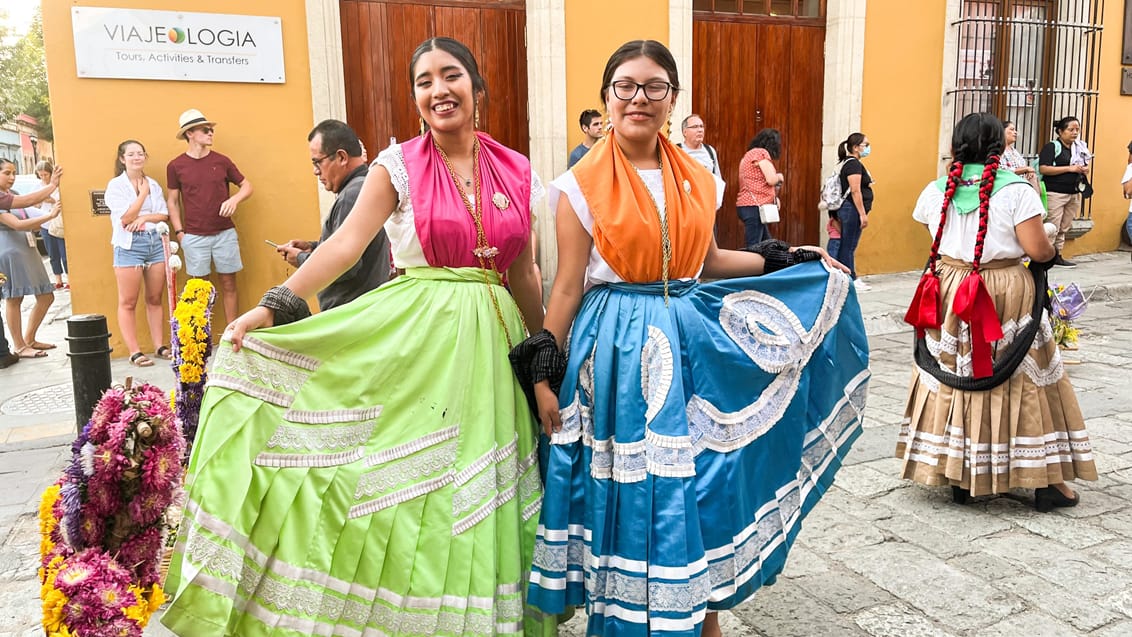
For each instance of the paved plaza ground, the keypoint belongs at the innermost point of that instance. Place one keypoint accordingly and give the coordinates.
(878, 556)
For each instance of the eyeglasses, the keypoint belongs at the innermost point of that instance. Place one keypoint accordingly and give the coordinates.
(625, 90)
(692, 125)
(317, 162)
(207, 130)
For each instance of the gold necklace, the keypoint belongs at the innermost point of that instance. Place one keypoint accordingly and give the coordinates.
(665, 243)
(484, 252)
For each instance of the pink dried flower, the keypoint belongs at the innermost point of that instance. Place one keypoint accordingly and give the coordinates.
(140, 554)
(162, 469)
(92, 527)
(98, 591)
(108, 407)
(102, 495)
(147, 507)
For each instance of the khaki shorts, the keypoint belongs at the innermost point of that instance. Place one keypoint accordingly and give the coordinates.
(202, 251)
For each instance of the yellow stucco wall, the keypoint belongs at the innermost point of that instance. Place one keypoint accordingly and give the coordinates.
(262, 127)
(594, 30)
(1110, 143)
(901, 119)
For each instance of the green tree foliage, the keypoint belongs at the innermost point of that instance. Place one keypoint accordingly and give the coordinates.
(23, 76)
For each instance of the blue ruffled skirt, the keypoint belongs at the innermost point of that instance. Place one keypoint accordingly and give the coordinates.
(695, 438)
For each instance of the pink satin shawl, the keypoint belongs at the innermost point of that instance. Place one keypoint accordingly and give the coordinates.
(446, 230)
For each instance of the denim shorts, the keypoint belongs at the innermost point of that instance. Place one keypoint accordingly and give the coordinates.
(145, 250)
(202, 251)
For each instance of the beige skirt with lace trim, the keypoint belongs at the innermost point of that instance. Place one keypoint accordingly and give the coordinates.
(1026, 433)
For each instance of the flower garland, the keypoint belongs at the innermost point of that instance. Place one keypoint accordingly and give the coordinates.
(192, 346)
(103, 523)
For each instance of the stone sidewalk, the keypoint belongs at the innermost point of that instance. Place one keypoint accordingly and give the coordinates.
(879, 557)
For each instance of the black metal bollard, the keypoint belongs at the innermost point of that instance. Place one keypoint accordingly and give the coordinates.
(90, 362)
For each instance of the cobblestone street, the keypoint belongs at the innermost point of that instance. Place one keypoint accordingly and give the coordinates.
(879, 556)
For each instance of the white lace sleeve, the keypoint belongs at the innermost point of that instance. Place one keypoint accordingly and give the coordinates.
(538, 194)
(393, 160)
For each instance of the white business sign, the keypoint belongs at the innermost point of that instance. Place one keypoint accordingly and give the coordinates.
(177, 45)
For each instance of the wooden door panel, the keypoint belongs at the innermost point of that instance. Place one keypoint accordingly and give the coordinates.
(750, 76)
(378, 40)
(409, 26)
(806, 92)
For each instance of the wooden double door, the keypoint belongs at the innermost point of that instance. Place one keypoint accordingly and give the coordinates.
(378, 40)
(751, 75)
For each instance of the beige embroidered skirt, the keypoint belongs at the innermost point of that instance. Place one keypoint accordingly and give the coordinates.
(1026, 433)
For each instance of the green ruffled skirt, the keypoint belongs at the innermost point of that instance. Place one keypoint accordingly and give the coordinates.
(369, 470)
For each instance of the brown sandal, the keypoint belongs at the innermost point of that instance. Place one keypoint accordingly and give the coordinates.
(27, 351)
(138, 359)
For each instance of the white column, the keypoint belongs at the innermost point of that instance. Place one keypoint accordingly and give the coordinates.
(546, 110)
(680, 43)
(948, 76)
(844, 76)
(844, 73)
(324, 42)
(328, 84)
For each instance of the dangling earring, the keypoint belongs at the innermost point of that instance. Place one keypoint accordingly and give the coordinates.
(422, 126)
(607, 124)
(668, 125)
(476, 116)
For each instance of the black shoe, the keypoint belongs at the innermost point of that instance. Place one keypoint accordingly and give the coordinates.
(1063, 262)
(959, 495)
(8, 360)
(1047, 498)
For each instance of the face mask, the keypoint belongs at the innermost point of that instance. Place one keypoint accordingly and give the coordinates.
(865, 151)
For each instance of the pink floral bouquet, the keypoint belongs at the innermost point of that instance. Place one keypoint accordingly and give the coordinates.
(103, 524)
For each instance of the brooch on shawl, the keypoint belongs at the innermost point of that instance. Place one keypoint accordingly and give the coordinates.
(501, 201)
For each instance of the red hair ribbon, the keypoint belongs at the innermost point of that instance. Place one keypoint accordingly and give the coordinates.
(973, 305)
(923, 313)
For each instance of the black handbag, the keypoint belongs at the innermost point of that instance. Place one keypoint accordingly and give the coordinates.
(1084, 187)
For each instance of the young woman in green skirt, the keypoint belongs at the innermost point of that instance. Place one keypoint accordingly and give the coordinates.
(373, 469)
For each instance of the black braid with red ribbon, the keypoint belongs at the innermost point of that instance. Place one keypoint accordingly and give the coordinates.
(985, 191)
(985, 326)
(925, 312)
(954, 177)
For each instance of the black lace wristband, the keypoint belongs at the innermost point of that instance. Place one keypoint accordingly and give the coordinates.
(778, 256)
(537, 359)
(288, 307)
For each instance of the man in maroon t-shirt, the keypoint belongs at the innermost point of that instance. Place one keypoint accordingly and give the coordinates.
(201, 210)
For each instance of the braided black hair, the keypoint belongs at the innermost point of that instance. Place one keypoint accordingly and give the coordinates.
(977, 137)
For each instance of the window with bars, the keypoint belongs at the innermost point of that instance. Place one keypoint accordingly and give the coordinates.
(805, 9)
(1030, 62)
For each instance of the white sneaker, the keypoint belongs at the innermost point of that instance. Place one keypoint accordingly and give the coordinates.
(861, 286)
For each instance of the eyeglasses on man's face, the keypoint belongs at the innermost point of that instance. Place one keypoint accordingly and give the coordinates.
(317, 162)
(625, 90)
(207, 130)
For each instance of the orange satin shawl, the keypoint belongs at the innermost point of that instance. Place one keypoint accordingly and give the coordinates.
(626, 229)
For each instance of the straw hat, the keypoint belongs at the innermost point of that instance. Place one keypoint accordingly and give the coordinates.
(191, 119)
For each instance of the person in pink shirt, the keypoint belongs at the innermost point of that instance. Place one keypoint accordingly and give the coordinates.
(759, 182)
